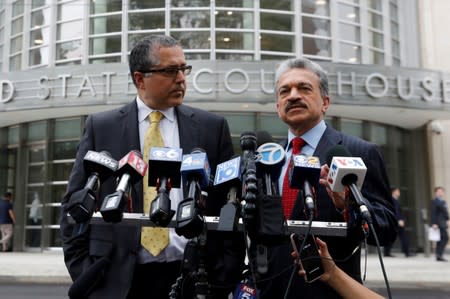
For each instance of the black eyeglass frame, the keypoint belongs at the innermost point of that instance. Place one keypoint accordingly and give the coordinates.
(169, 71)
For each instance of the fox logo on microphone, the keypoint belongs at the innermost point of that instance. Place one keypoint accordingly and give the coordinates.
(340, 167)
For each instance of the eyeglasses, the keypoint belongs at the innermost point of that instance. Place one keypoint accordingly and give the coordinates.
(169, 71)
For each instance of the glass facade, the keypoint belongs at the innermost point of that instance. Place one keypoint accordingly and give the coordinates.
(48, 33)
(63, 32)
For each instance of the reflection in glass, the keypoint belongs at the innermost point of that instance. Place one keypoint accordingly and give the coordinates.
(105, 6)
(39, 37)
(193, 40)
(36, 174)
(234, 56)
(139, 4)
(16, 44)
(68, 50)
(197, 56)
(271, 21)
(376, 57)
(316, 26)
(376, 21)
(33, 235)
(104, 60)
(70, 10)
(64, 150)
(40, 17)
(146, 21)
(190, 19)
(280, 43)
(39, 56)
(349, 53)
(278, 5)
(69, 30)
(354, 128)
(17, 8)
(316, 46)
(349, 32)
(61, 171)
(316, 7)
(13, 135)
(231, 3)
(376, 40)
(234, 19)
(103, 45)
(37, 155)
(37, 130)
(108, 24)
(234, 40)
(67, 128)
(348, 13)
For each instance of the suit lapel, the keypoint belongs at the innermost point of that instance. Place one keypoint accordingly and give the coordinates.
(188, 128)
(129, 140)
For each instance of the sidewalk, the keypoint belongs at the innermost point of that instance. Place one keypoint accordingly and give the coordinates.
(48, 267)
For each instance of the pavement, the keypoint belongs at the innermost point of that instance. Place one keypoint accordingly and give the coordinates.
(416, 271)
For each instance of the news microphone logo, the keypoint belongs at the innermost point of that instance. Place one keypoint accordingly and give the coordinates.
(271, 153)
(134, 160)
(227, 171)
(164, 162)
(102, 159)
(196, 163)
(342, 166)
(304, 168)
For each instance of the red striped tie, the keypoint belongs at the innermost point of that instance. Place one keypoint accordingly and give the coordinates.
(290, 195)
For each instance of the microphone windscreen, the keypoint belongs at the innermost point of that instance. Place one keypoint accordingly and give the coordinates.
(263, 137)
(248, 141)
(337, 151)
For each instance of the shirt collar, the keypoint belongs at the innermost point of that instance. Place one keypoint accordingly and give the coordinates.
(311, 137)
(144, 111)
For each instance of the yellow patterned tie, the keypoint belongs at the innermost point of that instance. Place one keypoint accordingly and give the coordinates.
(154, 239)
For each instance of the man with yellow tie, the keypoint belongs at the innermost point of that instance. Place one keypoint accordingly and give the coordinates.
(145, 262)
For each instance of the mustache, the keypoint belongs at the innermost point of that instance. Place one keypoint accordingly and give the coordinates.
(294, 104)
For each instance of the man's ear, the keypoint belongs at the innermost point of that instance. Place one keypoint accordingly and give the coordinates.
(139, 79)
(325, 103)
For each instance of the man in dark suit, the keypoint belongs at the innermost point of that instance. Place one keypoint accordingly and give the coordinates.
(301, 88)
(122, 267)
(440, 219)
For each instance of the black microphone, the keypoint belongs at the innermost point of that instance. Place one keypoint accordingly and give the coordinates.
(305, 175)
(249, 179)
(349, 171)
(229, 173)
(82, 203)
(195, 171)
(131, 169)
(269, 162)
(164, 172)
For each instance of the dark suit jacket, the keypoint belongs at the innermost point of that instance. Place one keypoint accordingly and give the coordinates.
(375, 189)
(117, 132)
(439, 213)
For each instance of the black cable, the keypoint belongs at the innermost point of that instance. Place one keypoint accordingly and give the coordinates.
(388, 288)
(299, 253)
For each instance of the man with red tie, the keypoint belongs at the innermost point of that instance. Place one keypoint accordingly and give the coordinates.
(301, 88)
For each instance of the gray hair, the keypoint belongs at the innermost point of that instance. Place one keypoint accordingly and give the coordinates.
(303, 63)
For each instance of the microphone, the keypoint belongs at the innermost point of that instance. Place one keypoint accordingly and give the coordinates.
(164, 172)
(248, 170)
(195, 171)
(270, 160)
(305, 174)
(229, 172)
(82, 202)
(131, 169)
(348, 171)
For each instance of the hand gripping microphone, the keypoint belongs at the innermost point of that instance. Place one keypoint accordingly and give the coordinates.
(305, 174)
(195, 171)
(270, 160)
(349, 171)
(229, 172)
(164, 173)
(131, 169)
(82, 203)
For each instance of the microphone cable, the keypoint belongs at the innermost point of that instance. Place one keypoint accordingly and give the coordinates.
(295, 268)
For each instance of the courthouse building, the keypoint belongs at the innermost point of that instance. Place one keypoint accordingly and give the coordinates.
(61, 60)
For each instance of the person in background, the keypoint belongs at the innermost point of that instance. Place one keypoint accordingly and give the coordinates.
(440, 219)
(129, 262)
(401, 226)
(7, 220)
